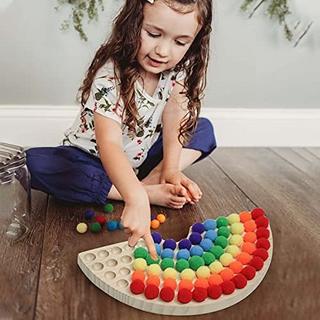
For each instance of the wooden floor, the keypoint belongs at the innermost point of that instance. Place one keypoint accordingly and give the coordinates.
(40, 278)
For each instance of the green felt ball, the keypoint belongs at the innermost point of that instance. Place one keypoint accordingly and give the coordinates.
(166, 263)
(208, 258)
(217, 251)
(140, 253)
(151, 261)
(196, 262)
(182, 264)
(224, 231)
(221, 241)
(222, 222)
(95, 227)
(108, 207)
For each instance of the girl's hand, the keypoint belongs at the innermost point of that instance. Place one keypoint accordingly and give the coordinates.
(135, 219)
(190, 189)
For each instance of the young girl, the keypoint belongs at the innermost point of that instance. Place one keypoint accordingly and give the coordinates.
(139, 124)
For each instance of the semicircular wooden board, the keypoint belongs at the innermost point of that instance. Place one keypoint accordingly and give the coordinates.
(111, 267)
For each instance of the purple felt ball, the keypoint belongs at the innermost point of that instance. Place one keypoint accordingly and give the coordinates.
(156, 237)
(198, 227)
(185, 244)
(195, 238)
(169, 243)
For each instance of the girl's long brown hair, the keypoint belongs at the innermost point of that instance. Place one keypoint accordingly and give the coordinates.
(122, 48)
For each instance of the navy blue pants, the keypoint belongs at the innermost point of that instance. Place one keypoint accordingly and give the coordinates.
(71, 174)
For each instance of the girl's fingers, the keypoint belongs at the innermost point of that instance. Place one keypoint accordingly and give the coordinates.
(150, 245)
(133, 239)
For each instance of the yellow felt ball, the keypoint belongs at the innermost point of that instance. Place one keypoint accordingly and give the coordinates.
(161, 217)
(233, 218)
(226, 259)
(82, 227)
(203, 272)
(236, 239)
(188, 274)
(237, 228)
(139, 264)
(233, 250)
(215, 266)
(154, 270)
(170, 273)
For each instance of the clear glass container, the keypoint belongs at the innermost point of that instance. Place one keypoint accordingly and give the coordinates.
(15, 192)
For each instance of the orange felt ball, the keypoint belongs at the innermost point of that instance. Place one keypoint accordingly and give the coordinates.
(185, 284)
(250, 237)
(226, 274)
(250, 226)
(138, 275)
(215, 279)
(161, 218)
(170, 282)
(155, 224)
(236, 266)
(201, 283)
(244, 257)
(248, 247)
(155, 280)
(245, 216)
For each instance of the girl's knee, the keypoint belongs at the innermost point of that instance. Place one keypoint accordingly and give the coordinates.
(206, 128)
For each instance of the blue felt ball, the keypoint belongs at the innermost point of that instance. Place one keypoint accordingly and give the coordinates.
(183, 254)
(156, 237)
(89, 214)
(196, 251)
(198, 227)
(158, 249)
(195, 237)
(167, 253)
(112, 225)
(206, 244)
(185, 244)
(210, 224)
(211, 234)
(169, 243)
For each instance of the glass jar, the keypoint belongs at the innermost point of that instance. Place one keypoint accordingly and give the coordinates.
(15, 192)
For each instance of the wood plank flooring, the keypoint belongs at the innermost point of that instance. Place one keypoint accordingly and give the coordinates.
(40, 278)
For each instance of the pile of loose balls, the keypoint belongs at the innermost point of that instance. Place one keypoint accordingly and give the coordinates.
(218, 256)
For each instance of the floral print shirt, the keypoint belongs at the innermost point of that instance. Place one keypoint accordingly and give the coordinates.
(103, 99)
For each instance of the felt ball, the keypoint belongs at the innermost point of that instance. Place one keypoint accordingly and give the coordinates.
(244, 257)
(167, 294)
(82, 227)
(224, 231)
(216, 266)
(211, 234)
(183, 254)
(215, 279)
(95, 227)
(101, 219)
(154, 269)
(151, 261)
(156, 236)
(137, 286)
(250, 226)
(203, 272)
(249, 272)
(158, 248)
(161, 218)
(112, 225)
(169, 243)
(233, 250)
(245, 216)
(185, 244)
(236, 266)
(195, 237)
(186, 284)
(222, 222)
(166, 263)
(262, 253)
(182, 264)
(240, 281)
(226, 259)
(221, 241)
(140, 253)
(256, 262)
(187, 274)
(226, 274)
(263, 243)
(198, 227)
(257, 212)
(120, 225)
(155, 280)
(233, 218)
(169, 282)
(228, 287)
(210, 224)
(206, 244)
(237, 228)
(138, 274)
(199, 294)
(262, 233)
(167, 253)
(108, 207)
(236, 239)
(208, 258)
(139, 264)
(250, 237)
(214, 291)
(151, 291)
(89, 214)
(196, 251)
(169, 273)
(155, 224)
(217, 251)
(184, 295)
(201, 283)
(195, 262)
(248, 247)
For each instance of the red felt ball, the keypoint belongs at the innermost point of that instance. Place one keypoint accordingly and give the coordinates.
(227, 287)
(214, 291)
(199, 294)
(240, 281)
(262, 253)
(263, 243)
(101, 219)
(151, 291)
(256, 213)
(137, 286)
(257, 263)
(249, 272)
(262, 222)
(184, 295)
(167, 294)
(263, 233)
